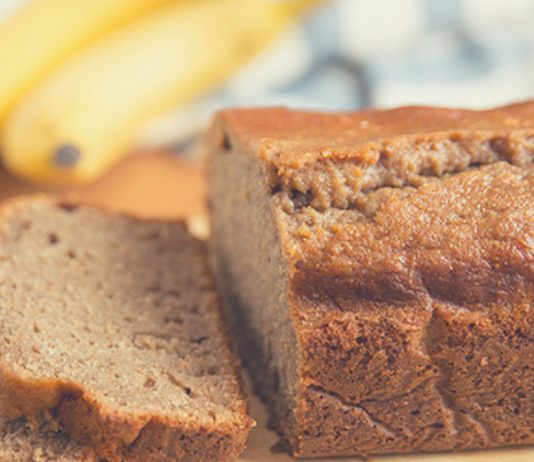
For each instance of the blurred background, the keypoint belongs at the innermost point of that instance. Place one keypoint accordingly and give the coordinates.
(85, 85)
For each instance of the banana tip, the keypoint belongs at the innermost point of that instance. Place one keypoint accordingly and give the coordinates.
(66, 156)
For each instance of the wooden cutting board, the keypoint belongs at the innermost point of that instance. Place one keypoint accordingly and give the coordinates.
(160, 185)
(155, 185)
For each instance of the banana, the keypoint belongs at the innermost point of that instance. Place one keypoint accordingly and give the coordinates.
(41, 33)
(84, 117)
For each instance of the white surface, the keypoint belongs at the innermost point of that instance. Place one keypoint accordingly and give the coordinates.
(480, 92)
(370, 27)
(8, 6)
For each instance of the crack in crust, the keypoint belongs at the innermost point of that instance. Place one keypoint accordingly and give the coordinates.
(374, 421)
(420, 385)
(481, 428)
(347, 185)
(439, 385)
(428, 342)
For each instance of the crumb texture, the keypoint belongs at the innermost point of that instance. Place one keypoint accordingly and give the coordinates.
(112, 325)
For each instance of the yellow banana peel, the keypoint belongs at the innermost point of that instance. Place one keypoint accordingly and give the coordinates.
(41, 33)
(83, 118)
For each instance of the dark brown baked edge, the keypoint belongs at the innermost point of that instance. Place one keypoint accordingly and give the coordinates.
(22, 440)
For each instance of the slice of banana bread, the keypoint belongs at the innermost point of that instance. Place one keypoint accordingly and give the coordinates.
(112, 325)
(18, 443)
(380, 266)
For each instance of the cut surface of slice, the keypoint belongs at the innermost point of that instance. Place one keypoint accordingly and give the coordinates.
(112, 325)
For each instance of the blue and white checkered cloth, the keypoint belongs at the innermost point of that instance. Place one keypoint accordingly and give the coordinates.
(388, 52)
(350, 54)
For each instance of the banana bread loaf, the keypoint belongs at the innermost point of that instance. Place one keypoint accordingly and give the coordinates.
(111, 325)
(379, 267)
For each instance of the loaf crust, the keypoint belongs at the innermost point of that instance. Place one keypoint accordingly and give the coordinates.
(114, 433)
(20, 443)
(407, 237)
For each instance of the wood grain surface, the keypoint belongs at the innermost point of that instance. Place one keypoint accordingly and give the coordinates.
(155, 184)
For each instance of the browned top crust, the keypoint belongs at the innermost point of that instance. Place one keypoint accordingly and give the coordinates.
(327, 160)
(295, 138)
(391, 205)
